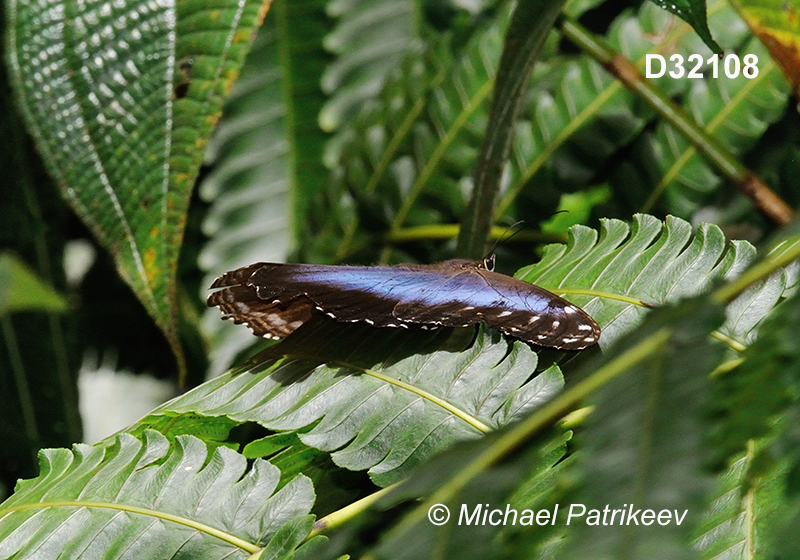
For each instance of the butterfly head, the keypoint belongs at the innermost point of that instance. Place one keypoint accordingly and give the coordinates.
(487, 263)
(468, 264)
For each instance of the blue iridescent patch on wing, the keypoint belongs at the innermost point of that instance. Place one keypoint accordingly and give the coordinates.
(274, 299)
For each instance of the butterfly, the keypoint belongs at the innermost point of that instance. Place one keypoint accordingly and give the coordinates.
(274, 299)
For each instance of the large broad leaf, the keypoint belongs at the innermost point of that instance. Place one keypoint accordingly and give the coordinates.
(378, 399)
(151, 500)
(656, 263)
(121, 98)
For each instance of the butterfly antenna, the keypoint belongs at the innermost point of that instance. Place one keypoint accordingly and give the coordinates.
(504, 238)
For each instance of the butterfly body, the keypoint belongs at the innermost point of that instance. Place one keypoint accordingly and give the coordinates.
(274, 299)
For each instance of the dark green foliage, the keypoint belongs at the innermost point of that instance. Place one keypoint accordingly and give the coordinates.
(644, 446)
(214, 491)
(38, 358)
(367, 421)
(535, 466)
(366, 132)
(749, 397)
(694, 13)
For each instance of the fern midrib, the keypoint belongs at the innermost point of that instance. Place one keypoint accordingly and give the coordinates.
(452, 409)
(186, 522)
